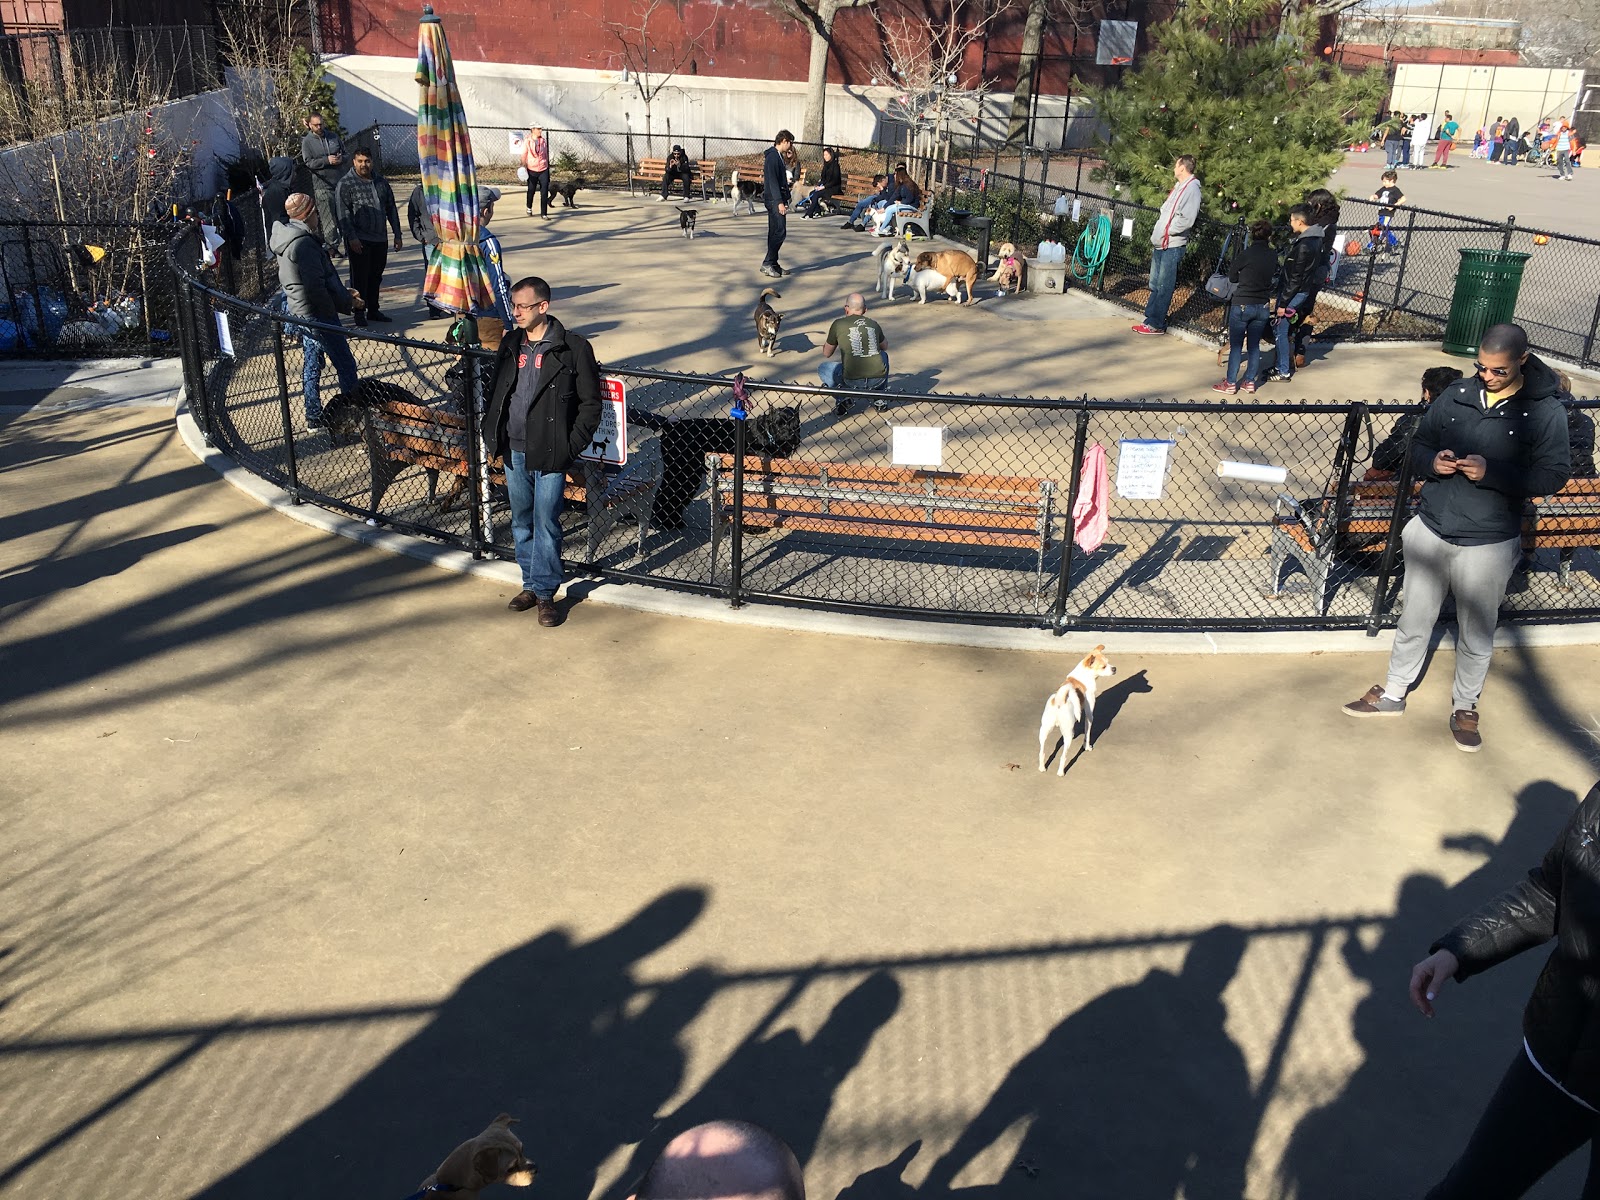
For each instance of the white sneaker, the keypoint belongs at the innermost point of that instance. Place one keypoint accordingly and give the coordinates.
(659, 199)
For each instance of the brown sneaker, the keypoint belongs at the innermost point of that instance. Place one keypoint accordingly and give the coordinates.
(1464, 728)
(549, 614)
(1375, 704)
(522, 602)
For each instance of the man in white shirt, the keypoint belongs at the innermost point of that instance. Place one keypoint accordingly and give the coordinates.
(1419, 142)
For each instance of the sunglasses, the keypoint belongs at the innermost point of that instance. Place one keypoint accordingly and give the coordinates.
(1497, 372)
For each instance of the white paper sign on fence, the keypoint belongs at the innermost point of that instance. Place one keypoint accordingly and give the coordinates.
(515, 138)
(610, 442)
(1142, 468)
(918, 446)
(224, 335)
(1127, 227)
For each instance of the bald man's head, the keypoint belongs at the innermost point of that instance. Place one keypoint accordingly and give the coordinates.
(855, 302)
(724, 1160)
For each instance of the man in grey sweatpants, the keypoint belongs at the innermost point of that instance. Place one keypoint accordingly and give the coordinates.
(1482, 448)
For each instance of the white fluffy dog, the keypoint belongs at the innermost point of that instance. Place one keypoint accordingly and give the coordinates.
(894, 260)
(927, 278)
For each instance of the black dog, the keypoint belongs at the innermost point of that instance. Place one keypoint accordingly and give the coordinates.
(686, 221)
(685, 444)
(566, 189)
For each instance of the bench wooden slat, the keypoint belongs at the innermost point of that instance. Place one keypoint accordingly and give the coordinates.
(884, 529)
(903, 512)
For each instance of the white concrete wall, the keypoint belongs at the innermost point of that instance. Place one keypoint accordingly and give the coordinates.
(383, 89)
(1477, 95)
(206, 120)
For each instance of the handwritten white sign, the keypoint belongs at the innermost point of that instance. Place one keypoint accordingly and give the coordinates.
(1142, 468)
(918, 445)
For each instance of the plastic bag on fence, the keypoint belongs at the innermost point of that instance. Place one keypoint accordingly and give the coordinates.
(210, 242)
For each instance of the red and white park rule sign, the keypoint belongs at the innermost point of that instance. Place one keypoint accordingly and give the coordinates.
(610, 442)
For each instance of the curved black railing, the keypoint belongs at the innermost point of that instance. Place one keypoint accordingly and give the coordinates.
(793, 505)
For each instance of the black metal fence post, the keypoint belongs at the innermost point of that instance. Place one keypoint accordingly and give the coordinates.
(1366, 288)
(189, 357)
(1511, 227)
(1391, 542)
(1080, 436)
(479, 517)
(1405, 256)
(736, 534)
(291, 464)
(1588, 342)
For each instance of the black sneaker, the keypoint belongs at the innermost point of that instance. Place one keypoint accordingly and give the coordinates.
(385, 318)
(841, 408)
(848, 225)
(317, 422)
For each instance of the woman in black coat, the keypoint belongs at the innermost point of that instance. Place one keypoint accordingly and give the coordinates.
(1548, 1103)
(829, 186)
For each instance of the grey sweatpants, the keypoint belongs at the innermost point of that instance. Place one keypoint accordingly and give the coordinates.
(327, 213)
(1477, 575)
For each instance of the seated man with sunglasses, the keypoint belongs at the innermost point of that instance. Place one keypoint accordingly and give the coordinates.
(1482, 448)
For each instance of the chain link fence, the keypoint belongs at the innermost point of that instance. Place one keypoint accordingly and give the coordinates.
(888, 501)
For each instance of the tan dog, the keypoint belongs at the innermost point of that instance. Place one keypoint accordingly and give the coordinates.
(1010, 269)
(954, 265)
(1072, 702)
(494, 1156)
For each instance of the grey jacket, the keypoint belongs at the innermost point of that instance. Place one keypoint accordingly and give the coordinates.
(364, 205)
(312, 286)
(314, 151)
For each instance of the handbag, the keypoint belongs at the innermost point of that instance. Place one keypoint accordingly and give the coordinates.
(1219, 286)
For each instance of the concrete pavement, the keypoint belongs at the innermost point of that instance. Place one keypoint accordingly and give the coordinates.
(317, 858)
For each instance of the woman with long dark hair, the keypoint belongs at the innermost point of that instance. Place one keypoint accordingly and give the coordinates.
(828, 187)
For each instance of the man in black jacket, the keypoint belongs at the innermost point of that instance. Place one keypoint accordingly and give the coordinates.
(775, 194)
(544, 406)
(1481, 449)
(1302, 268)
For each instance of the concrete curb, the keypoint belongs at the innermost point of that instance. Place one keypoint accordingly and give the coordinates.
(668, 603)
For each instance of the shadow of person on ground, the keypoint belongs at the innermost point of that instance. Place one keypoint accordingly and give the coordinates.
(886, 1182)
(782, 1081)
(1407, 1110)
(552, 1032)
(1138, 1093)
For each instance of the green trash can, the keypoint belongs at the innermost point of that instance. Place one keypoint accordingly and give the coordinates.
(1486, 294)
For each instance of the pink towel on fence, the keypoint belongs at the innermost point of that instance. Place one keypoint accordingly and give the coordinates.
(1091, 512)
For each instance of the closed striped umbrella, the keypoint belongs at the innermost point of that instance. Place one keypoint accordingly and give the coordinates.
(456, 277)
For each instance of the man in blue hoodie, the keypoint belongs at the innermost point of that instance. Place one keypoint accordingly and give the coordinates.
(1482, 448)
(775, 194)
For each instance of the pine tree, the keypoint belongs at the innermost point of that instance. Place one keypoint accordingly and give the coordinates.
(1242, 91)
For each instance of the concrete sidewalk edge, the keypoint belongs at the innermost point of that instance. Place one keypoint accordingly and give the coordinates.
(665, 602)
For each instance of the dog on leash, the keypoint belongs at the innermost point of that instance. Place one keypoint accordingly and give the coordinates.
(954, 265)
(686, 218)
(767, 321)
(1072, 702)
(494, 1156)
(1009, 272)
(567, 189)
(894, 260)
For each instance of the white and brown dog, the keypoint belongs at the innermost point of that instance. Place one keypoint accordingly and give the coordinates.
(1072, 702)
(894, 260)
(494, 1156)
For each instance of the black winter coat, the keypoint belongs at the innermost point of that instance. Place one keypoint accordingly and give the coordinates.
(1523, 440)
(1559, 899)
(1302, 266)
(566, 405)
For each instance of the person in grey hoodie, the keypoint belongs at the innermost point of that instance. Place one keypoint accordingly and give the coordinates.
(323, 154)
(366, 203)
(278, 188)
(315, 293)
(1178, 214)
(1481, 449)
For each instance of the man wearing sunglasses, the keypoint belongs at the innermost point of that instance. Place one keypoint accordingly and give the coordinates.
(1482, 448)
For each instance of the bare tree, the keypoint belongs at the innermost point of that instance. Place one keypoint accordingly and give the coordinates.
(818, 17)
(1060, 14)
(650, 61)
(275, 83)
(925, 57)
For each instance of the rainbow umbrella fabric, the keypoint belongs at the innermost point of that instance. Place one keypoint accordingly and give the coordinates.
(456, 277)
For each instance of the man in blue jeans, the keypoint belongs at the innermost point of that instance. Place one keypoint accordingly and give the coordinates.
(316, 293)
(775, 195)
(863, 354)
(544, 406)
(1297, 282)
(885, 186)
(1167, 240)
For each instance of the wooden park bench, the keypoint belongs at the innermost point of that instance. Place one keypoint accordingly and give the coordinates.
(1316, 533)
(650, 170)
(899, 503)
(399, 435)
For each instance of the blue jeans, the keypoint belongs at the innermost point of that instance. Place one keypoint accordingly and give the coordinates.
(535, 498)
(1391, 152)
(1285, 333)
(1246, 324)
(316, 343)
(1163, 279)
(885, 219)
(831, 371)
(861, 207)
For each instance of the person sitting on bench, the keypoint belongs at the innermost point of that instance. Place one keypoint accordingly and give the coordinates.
(831, 184)
(885, 188)
(678, 167)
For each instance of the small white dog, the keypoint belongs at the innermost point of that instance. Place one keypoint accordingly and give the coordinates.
(1074, 701)
(927, 278)
(894, 260)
